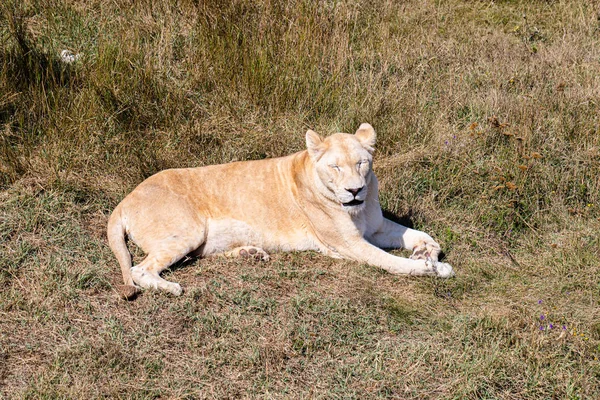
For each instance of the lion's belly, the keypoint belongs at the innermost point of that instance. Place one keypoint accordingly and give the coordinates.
(226, 234)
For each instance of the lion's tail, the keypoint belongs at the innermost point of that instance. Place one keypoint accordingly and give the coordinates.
(116, 241)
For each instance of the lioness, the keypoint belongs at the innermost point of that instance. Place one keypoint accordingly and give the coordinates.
(324, 198)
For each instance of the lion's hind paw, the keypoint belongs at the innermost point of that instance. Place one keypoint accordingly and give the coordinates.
(253, 253)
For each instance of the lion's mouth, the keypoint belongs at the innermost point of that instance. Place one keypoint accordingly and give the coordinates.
(354, 202)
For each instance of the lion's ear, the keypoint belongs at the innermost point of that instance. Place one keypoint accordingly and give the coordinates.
(314, 144)
(366, 135)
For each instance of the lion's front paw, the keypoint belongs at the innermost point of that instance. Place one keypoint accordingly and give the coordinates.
(443, 270)
(427, 248)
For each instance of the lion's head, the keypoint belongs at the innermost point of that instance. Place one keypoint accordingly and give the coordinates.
(343, 163)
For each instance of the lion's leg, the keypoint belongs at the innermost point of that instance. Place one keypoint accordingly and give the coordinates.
(249, 252)
(393, 235)
(363, 251)
(147, 273)
(144, 274)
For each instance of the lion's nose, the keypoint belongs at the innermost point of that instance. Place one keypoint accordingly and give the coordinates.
(355, 191)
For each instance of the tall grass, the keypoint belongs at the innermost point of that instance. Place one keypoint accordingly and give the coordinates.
(488, 129)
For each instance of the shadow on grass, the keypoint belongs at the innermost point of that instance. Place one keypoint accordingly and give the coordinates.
(405, 220)
(184, 263)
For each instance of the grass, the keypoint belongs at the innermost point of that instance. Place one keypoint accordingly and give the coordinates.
(488, 139)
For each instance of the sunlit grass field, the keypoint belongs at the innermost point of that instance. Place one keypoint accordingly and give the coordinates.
(488, 123)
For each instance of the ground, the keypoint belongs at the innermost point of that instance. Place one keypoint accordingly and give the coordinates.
(487, 116)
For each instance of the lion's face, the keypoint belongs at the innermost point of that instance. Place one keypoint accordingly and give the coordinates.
(343, 163)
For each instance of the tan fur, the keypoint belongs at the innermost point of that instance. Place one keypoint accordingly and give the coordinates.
(310, 200)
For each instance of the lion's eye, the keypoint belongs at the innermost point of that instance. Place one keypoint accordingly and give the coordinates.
(336, 167)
